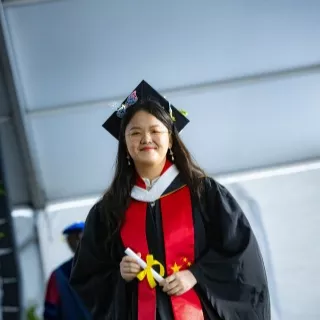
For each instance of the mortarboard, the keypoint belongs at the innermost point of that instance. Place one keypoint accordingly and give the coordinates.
(72, 228)
(144, 92)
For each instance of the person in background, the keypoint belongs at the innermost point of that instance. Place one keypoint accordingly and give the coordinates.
(61, 301)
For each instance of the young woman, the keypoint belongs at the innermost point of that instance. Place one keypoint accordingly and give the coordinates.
(182, 223)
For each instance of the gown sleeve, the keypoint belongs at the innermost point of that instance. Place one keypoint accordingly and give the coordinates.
(95, 273)
(230, 272)
(52, 299)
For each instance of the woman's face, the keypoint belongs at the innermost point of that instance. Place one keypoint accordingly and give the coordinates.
(147, 139)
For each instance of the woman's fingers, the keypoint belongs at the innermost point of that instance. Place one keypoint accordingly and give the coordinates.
(129, 263)
(128, 259)
(129, 274)
(129, 268)
(169, 286)
(170, 283)
(179, 283)
(175, 291)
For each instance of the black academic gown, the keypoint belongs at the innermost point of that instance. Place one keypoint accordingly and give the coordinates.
(231, 279)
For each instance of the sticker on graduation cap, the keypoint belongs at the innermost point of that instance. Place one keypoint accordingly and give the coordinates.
(144, 92)
(131, 100)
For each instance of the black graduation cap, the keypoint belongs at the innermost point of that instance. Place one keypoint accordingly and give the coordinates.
(143, 92)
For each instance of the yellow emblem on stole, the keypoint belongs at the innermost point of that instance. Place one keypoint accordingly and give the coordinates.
(147, 272)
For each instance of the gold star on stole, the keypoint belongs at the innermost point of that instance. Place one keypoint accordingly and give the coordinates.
(186, 261)
(175, 268)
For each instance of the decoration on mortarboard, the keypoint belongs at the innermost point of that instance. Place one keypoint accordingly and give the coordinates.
(171, 114)
(131, 100)
(183, 112)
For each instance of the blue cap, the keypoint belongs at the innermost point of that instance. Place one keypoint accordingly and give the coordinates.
(75, 227)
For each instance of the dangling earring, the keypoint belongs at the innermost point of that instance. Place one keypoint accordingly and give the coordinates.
(171, 154)
(128, 158)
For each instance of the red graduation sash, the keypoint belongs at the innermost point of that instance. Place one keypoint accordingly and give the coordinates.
(133, 234)
(178, 230)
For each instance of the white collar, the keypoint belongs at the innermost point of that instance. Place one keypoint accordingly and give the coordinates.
(158, 188)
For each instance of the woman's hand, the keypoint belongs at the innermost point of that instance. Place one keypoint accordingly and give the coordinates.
(129, 268)
(179, 283)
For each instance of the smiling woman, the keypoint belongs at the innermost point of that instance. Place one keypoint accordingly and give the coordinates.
(184, 224)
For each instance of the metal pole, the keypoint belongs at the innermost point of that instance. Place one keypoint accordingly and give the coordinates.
(16, 100)
(9, 267)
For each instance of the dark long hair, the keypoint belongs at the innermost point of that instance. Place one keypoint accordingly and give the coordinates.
(116, 199)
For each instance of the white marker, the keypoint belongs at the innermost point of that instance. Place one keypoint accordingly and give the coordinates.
(143, 264)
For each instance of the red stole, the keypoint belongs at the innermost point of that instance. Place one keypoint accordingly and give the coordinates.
(178, 230)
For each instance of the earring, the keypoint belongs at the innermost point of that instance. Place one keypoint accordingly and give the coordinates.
(128, 158)
(171, 154)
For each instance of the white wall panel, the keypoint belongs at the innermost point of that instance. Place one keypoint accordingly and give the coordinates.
(76, 154)
(73, 51)
(231, 129)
